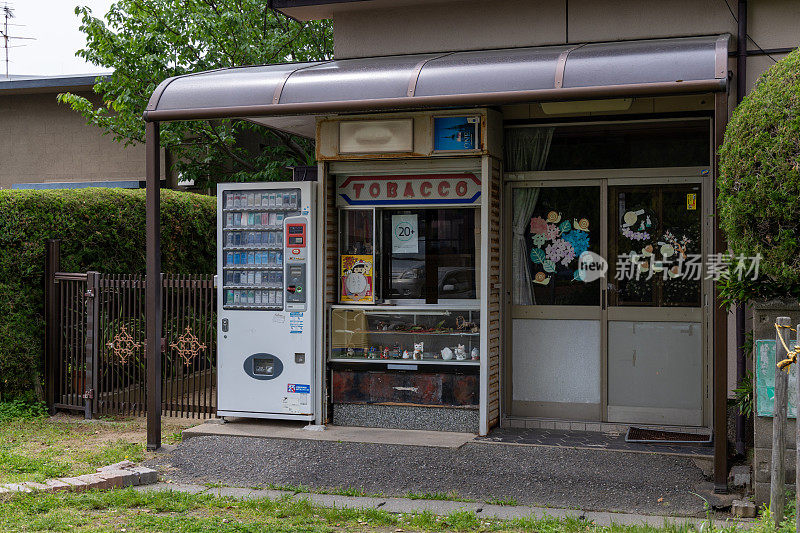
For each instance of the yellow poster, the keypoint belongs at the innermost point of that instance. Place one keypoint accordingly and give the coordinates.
(357, 278)
(691, 202)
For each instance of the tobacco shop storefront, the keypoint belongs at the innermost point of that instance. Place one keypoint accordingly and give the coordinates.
(504, 234)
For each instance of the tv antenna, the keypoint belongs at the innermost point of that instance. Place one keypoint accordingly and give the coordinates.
(6, 13)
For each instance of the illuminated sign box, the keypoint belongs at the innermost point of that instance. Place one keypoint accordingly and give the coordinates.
(376, 136)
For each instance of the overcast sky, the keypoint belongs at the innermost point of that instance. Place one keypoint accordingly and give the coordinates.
(55, 26)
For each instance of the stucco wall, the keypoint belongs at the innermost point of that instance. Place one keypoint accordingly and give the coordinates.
(471, 25)
(44, 141)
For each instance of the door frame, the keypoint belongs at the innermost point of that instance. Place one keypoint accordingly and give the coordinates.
(606, 179)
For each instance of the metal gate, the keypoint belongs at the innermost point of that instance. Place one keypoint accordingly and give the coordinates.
(96, 344)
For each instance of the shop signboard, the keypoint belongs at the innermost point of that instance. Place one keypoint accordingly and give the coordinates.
(409, 189)
(765, 379)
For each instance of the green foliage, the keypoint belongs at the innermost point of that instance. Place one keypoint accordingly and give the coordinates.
(21, 408)
(100, 229)
(146, 41)
(744, 395)
(759, 183)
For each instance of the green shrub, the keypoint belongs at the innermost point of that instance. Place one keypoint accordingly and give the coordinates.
(759, 182)
(100, 229)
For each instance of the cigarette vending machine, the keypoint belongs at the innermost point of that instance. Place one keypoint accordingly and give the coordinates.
(265, 287)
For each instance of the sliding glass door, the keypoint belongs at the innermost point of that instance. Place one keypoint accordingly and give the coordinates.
(626, 347)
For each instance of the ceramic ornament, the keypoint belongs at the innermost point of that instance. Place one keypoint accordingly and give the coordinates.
(418, 349)
(447, 354)
(350, 352)
(385, 354)
(461, 353)
(475, 354)
(406, 354)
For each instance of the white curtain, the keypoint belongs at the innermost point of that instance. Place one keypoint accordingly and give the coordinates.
(526, 149)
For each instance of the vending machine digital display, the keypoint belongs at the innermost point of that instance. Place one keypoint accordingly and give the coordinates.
(265, 288)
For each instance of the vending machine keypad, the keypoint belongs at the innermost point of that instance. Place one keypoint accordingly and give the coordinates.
(253, 247)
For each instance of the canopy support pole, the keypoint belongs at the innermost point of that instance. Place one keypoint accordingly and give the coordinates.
(153, 291)
(719, 320)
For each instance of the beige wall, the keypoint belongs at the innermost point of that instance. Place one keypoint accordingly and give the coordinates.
(44, 141)
(470, 25)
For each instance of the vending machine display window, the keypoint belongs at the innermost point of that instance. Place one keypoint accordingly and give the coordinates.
(253, 245)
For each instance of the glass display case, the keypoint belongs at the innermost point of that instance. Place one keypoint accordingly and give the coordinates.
(405, 335)
(253, 245)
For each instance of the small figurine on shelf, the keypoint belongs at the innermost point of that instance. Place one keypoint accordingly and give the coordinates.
(350, 352)
(447, 353)
(418, 348)
(373, 353)
(475, 354)
(406, 355)
(397, 352)
(385, 354)
(461, 353)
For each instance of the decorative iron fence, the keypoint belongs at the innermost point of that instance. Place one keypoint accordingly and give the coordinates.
(96, 344)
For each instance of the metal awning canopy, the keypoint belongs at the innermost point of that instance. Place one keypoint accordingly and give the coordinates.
(286, 96)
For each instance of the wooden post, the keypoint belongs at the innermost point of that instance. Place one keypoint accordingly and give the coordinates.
(153, 288)
(777, 488)
(53, 264)
(797, 445)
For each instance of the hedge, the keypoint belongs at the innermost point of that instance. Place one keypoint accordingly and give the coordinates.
(100, 229)
(759, 183)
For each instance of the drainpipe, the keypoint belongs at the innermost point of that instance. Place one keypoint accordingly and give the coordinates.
(741, 88)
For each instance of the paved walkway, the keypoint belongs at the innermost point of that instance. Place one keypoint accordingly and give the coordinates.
(404, 505)
(539, 476)
(592, 440)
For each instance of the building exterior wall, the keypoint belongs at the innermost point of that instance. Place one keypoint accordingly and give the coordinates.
(472, 25)
(44, 141)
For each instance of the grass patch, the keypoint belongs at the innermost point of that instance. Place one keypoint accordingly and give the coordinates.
(443, 496)
(174, 511)
(502, 501)
(34, 447)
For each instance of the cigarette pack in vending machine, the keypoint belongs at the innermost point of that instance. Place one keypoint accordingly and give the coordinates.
(266, 300)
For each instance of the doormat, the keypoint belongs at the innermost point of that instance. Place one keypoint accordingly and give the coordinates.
(657, 436)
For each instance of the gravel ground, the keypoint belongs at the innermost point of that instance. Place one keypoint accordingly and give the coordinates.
(543, 476)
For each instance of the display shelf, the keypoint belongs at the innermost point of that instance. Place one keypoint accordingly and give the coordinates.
(383, 334)
(251, 248)
(404, 361)
(454, 333)
(251, 267)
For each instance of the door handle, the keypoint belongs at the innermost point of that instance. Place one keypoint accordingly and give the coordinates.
(225, 325)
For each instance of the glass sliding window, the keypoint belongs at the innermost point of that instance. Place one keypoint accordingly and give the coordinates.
(670, 143)
(357, 256)
(429, 254)
(655, 243)
(552, 227)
